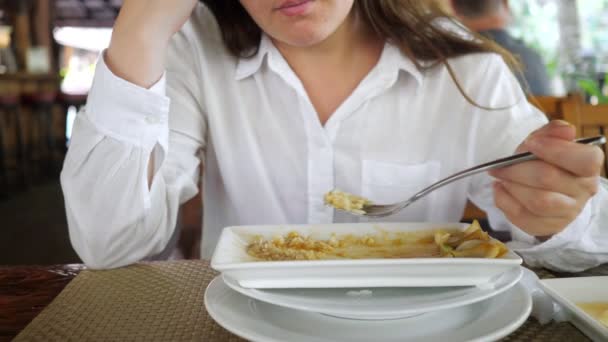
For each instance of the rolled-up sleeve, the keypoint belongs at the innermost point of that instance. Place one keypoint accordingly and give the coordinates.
(128, 112)
(115, 215)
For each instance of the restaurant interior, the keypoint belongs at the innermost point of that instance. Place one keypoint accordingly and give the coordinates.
(48, 53)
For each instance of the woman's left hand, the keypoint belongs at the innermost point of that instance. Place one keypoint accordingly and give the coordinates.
(542, 197)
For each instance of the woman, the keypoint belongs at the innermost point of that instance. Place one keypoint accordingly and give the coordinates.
(280, 101)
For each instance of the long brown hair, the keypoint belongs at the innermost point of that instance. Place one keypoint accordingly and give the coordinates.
(412, 25)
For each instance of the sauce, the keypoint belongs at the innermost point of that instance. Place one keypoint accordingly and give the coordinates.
(597, 310)
(472, 242)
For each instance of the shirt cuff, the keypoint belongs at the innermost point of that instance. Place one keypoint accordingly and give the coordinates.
(127, 112)
(571, 235)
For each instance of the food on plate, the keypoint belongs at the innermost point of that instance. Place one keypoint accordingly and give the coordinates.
(598, 311)
(472, 242)
(345, 201)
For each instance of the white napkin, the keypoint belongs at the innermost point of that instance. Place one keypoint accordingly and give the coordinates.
(544, 308)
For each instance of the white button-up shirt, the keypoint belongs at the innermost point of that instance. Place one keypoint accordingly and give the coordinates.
(267, 159)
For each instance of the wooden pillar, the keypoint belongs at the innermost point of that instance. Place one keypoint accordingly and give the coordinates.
(43, 27)
(22, 32)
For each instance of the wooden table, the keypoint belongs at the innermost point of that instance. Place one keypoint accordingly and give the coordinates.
(26, 291)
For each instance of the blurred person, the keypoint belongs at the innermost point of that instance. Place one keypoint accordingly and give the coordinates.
(491, 19)
(276, 102)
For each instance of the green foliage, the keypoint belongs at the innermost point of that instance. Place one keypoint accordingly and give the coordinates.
(63, 72)
(592, 88)
(536, 22)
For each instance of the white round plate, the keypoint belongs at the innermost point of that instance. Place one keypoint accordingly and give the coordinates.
(379, 303)
(258, 321)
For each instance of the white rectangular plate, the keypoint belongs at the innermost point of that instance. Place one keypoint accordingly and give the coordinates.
(570, 291)
(231, 258)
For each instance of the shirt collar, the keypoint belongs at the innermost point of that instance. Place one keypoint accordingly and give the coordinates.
(391, 61)
(249, 66)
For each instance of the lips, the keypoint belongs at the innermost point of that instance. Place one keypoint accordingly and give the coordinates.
(294, 7)
(291, 3)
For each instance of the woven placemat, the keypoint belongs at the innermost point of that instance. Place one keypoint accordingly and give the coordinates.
(144, 302)
(164, 302)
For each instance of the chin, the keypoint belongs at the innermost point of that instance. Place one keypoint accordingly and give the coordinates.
(304, 42)
(304, 38)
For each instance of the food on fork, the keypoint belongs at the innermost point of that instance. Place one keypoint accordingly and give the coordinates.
(345, 201)
(472, 242)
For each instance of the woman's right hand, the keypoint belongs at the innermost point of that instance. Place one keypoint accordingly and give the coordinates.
(141, 36)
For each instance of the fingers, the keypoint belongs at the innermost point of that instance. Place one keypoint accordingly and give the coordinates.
(581, 160)
(556, 129)
(543, 196)
(521, 217)
(542, 203)
(545, 176)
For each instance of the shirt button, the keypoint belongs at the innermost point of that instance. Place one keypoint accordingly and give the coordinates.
(152, 120)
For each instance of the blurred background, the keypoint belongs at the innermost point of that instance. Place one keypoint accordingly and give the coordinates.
(48, 50)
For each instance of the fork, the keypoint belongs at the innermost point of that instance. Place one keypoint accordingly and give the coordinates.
(382, 210)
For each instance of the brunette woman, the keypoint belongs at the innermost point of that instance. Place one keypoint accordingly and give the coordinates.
(280, 101)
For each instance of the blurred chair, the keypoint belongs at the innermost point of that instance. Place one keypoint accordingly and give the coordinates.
(12, 163)
(551, 106)
(472, 212)
(190, 223)
(589, 120)
(40, 140)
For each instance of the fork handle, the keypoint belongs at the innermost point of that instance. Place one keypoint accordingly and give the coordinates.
(498, 163)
